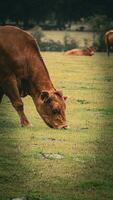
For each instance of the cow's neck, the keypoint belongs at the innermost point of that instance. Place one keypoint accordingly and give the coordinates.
(40, 77)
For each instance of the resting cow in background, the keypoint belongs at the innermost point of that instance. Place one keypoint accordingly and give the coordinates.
(23, 72)
(79, 52)
(109, 41)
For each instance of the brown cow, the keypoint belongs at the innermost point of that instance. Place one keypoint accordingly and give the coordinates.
(23, 72)
(109, 41)
(80, 52)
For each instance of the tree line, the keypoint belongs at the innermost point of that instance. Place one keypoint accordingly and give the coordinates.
(60, 11)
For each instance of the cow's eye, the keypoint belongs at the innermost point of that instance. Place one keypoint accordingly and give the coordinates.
(55, 111)
(48, 100)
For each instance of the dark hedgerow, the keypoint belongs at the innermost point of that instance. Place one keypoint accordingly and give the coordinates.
(51, 45)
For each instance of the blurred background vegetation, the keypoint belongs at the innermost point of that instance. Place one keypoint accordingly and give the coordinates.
(63, 16)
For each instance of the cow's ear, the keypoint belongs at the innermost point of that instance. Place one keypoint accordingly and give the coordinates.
(45, 97)
(59, 92)
(65, 98)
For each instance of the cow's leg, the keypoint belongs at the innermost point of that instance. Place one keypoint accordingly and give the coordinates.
(11, 90)
(108, 50)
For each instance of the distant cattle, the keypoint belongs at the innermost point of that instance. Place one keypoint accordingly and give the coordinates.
(23, 72)
(81, 52)
(109, 41)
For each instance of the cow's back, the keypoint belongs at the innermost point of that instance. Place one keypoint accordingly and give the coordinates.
(109, 37)
(74, 52)
(15, 36)
(80, 52)
(16, 47)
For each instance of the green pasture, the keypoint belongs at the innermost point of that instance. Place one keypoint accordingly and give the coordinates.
(75, 164)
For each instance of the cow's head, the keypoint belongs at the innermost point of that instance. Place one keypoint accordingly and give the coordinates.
(91, 51)
(51, 107)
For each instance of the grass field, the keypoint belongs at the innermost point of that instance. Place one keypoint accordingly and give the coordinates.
(79, 161)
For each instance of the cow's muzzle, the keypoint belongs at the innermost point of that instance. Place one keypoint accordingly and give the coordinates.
(65, 126)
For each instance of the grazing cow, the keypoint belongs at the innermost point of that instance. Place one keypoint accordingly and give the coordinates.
(23, 72)
(79, 52)
(109, 41)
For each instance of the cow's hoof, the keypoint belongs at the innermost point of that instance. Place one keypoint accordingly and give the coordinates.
(25, 123)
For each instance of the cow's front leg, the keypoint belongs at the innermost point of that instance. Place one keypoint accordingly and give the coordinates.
(11, 90)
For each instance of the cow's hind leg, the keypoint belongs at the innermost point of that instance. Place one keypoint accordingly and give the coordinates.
(108, 50)
(11, 90)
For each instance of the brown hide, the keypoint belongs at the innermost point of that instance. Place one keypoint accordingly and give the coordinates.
(79, 52)
(23, 72)
(109, 41)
